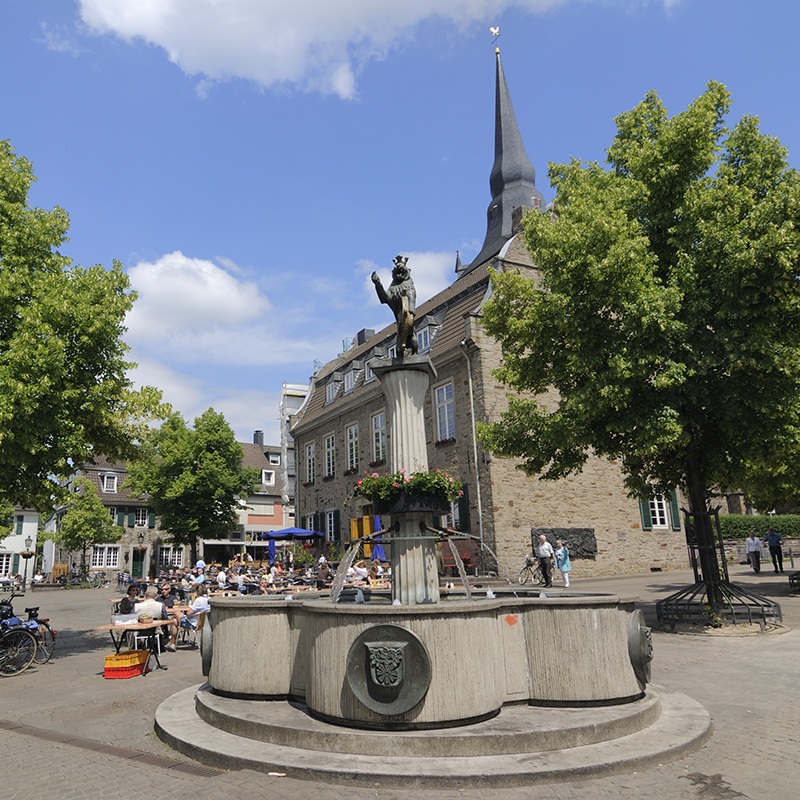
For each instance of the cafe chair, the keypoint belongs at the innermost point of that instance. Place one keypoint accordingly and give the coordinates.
(194, 639)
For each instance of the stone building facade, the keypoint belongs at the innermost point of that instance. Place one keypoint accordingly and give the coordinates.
(340, 432)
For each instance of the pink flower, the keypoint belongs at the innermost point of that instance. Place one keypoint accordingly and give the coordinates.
(438, 470)
(451, 480)
(406, 480)
(374, 475)
(360, 482)
(395, 484)
(402, 470)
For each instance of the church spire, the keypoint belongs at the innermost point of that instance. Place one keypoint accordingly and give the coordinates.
(513, 178)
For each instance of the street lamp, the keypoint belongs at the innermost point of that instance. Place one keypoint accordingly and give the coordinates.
(26, 554)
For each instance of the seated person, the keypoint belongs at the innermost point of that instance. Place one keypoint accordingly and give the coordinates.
(128, 603)
(167, 597)
(38, 577)
(360, 571)
(324, 576)
(150, 608)
(199, 605)
(263, 587)
(201, 576)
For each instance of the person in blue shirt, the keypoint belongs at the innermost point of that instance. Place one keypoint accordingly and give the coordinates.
(774, 541)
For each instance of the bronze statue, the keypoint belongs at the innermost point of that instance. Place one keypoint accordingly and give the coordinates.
(401, 297)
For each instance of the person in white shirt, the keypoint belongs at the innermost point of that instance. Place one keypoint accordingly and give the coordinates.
(545, 552)
(752, 546)
(200, 605)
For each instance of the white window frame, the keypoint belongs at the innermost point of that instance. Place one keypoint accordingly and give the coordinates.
(349, 381)
(378, 427)
(369, 375)
(105, 556)
(659, 512)
(263, 509)
(5, 563)
(268, 477)
(330, 526)
(330, 454)
(424, 339)
(141, 517)
(351, 437)
(170, 556)
(275, 459)
(112, 510)
(393, 351)
(109, 484)
(311, 469)
(330, 392)
(444, 403)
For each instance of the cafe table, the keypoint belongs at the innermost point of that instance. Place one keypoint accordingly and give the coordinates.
(151, 629)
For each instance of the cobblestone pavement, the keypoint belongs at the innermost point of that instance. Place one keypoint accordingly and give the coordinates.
(67, 732)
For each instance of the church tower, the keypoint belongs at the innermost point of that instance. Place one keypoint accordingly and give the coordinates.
(512, 181)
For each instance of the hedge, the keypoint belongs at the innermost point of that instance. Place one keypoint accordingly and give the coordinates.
(737, 526)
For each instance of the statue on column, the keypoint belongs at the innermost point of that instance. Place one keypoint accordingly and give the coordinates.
(401, 297)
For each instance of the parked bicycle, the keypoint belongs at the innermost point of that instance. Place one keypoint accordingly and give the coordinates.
(532, 571)
(39, 628)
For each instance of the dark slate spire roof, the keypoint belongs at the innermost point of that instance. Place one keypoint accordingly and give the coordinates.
(513, 178)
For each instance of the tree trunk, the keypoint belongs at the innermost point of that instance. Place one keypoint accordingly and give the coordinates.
(710, 571)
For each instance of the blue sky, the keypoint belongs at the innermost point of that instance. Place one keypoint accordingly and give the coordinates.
(250, 162)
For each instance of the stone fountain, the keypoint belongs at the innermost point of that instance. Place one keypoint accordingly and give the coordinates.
(425, 690)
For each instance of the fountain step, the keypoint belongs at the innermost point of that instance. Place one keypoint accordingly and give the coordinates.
(682, 726)
(517, 729)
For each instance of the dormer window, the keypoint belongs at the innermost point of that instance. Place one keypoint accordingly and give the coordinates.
(349, 381)
(330, 392)
(275, 459)
(109, 484)
(369, 375)
(268, 477)
(424, 340)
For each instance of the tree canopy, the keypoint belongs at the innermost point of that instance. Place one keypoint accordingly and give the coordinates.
(86, 521)
(194, 477)
(667, 316)
(64, 390)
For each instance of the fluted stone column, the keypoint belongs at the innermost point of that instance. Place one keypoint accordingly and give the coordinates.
(405, 385)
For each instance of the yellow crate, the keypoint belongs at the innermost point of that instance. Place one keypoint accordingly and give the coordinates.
(127, 658)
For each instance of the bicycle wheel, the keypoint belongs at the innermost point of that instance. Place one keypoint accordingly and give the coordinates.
(525, 575)
(95, 582)
(538, 576)
(46, 643)
(17, 650)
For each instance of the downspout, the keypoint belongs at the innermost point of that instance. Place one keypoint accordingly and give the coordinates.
(463, 347)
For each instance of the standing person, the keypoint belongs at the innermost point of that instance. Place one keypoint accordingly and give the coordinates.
(562, 561)
(752, 546)
(545, 552)
(774, 541)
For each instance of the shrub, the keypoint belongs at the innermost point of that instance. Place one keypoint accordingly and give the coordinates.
(737, 526)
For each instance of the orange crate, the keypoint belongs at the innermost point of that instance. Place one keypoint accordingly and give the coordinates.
(126, 664)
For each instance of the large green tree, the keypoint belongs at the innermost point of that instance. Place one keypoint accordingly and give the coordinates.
(86, 521)
(64, 390)
(194, 477)
(667, 316)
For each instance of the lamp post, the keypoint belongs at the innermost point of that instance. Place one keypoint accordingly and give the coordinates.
(27, 553)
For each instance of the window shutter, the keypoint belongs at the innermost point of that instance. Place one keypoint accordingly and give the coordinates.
(463, 511)
(644, 508)
(132, 519)
(151, 519)
(121, 518)
(674, 511)
(20, 520)
(15, 565)
(337, 533)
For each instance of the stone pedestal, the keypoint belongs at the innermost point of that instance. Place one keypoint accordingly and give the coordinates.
(405, 384)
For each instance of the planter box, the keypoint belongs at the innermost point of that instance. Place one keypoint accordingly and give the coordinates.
(407, 502)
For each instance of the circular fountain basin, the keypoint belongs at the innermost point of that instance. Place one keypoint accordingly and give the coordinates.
(482, 654)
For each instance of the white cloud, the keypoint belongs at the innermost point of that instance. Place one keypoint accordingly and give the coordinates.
(318, 45)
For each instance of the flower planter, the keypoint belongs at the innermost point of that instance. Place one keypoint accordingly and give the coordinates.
(406, 502)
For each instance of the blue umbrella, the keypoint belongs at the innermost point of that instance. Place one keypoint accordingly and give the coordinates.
(271, 551)
(378, 553)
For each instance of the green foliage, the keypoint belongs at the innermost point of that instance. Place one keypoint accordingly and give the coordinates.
(383, 487)
(6, 520)
(64, 391)
(193, 477)
(667, 316)
(86, 522)
(736, 526)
